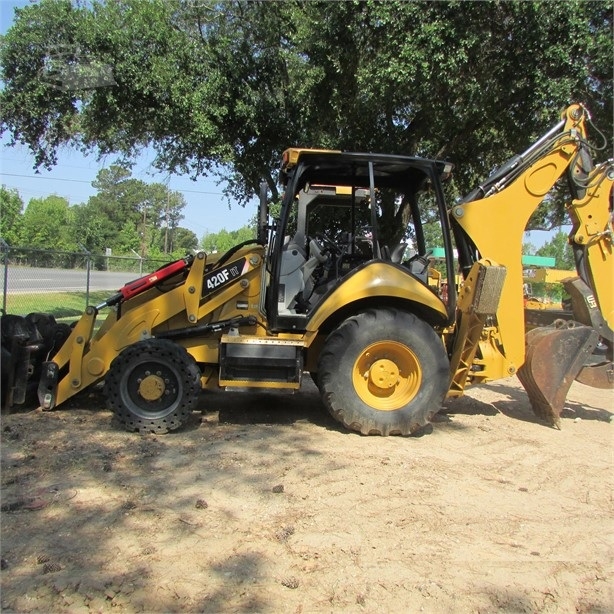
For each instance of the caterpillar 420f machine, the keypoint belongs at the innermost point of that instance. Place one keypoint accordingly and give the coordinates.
(320, 292)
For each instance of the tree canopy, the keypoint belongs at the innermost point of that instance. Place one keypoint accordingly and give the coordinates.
(47, 223)
(11, 209)
(223, 88)
(224, 240)
(126, 215)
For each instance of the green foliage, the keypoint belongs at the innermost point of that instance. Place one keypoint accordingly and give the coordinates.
(47, 223)
(433, 235)
(183, 240)
(559, 249)
(126, 215)
(11, 209)
(222, 241)
(528, 249)
(223, 88)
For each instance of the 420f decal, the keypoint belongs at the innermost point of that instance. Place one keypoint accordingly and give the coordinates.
(223, 276)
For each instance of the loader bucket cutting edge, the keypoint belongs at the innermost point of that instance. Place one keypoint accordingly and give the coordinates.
(554, 357)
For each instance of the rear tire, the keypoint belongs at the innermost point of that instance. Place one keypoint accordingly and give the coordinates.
(152, 386)
(383, 372)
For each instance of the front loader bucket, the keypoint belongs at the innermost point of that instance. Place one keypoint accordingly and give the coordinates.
(554, 356)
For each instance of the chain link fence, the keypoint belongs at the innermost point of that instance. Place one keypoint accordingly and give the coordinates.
(64, 283)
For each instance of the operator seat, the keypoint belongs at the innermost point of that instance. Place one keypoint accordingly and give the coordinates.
(418, 265)
(291, 284)
(397, 253)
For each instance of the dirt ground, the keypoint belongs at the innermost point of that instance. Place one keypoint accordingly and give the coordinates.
(264, 504)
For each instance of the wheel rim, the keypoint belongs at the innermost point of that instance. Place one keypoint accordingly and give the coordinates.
(387, 375)
(152, 389)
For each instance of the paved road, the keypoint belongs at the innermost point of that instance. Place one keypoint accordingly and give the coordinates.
(32, 280)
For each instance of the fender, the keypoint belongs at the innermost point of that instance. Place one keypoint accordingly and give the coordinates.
(377, 279)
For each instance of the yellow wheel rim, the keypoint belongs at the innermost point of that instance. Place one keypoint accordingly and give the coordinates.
(152, 387)
(387, 375)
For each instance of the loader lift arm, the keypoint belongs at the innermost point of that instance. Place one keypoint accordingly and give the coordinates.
(83, 359)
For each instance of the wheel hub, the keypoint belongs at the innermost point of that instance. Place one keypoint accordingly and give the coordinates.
(384, 374)
(387, 375)
(152, 387)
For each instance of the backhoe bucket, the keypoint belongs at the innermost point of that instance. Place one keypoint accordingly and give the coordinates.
(554, 356)
(600, 375)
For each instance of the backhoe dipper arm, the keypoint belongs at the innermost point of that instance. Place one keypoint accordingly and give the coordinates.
(592, 239)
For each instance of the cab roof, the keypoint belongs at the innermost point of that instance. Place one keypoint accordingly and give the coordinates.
(352, 168)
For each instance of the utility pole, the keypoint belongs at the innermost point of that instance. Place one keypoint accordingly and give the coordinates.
(166, 213)
(166, 220)
(144, 231)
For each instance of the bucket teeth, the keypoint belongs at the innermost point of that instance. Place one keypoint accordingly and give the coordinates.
(554, 357)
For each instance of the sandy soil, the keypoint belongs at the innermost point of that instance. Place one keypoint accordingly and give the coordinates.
(264, 504)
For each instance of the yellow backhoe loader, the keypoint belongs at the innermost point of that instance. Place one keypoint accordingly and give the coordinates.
(320, 292)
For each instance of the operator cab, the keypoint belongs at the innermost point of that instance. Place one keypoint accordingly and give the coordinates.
(328, 234)
(343, 211)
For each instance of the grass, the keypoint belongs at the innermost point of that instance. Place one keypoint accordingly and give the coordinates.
(63, 305)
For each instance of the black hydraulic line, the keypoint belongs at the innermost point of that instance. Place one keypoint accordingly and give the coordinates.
(213, 327)
(512, 164)
(263, 214)
(231, 252)
(376, 248)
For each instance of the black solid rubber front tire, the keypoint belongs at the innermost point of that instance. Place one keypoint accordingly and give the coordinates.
(152, 386)
(383, 372)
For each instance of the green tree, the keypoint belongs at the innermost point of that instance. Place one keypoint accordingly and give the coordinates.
(47, 223)
(182, 241)
(128, 214)
(223, 240)
(166, 207)
(558, 248)
(223, 88)
(128, 239)
(121, 200)
(11, 210)
(95, 231)
(528, 249)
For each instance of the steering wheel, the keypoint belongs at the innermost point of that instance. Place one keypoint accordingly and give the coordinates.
(328, 243)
